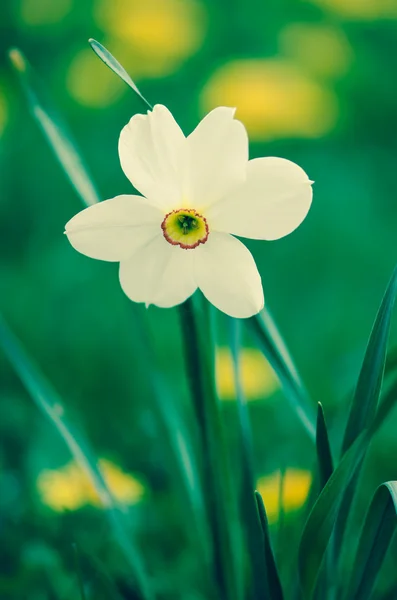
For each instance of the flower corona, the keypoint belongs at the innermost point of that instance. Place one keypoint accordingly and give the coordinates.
(185, 228)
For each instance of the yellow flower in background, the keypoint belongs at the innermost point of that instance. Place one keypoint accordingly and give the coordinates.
(294, 487)
(34, 13)
(365, 10)
(69, 488)
(322, 49)
(158, 35)
(257, 376)
(91, 83)
(274, 98)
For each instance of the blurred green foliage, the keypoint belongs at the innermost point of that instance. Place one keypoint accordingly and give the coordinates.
(314, 81)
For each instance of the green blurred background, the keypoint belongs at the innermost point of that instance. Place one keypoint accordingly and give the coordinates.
(314, 81)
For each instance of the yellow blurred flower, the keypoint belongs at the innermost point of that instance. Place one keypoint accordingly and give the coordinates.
(274, 98)
(360, 9)
(322, 49)
(35, 13)
(69, 488)
(258, 379)
(91, 83)
(158, 34)
(295, 488)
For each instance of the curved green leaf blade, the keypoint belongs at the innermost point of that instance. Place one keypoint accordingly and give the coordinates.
(365, 401)
(321, 521)
(324, 455)
(377, 533)
(54, 129)
(114, 65)
(49, 402)
(272, 572)
(272, 345)
(262, 579)
(219, 493)
(370, 380)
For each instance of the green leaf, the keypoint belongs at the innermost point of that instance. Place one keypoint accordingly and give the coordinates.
(177, 441)
(79, 572)
(320, 523)
(116, 67)
(219, 493)
(370, 380)
(324, 455)
(365, 401)
(273, 347)
(261, 584)
(271, 567)
(377, 533)
(50, 403)
(54, 129)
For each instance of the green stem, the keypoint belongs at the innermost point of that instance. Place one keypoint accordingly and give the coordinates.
(206, 407)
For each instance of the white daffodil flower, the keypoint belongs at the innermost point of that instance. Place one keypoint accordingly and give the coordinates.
(198, 192)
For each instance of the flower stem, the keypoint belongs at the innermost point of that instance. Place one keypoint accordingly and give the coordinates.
(215, 476)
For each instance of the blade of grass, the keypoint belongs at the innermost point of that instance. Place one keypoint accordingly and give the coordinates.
(320, 523)
(248, 504)
(50, 403)
(324, 455)
(365, 402)
(79, 572)
(272, 345)
(114, 65)
(370, 380)
(216, 478)
(272, 572)
(376, 536)
(54, 129)
(178, 444)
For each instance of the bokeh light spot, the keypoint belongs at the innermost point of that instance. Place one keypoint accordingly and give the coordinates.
(69, 488)
(273, 97)
(324, 50)
(159, 34)
(258, 379)
(294, 488)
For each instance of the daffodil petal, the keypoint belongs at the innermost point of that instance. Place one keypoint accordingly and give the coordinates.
(113, 229)
(159, 274)
(152, 151)
(272, 202)
(218, 156)
(226, 273)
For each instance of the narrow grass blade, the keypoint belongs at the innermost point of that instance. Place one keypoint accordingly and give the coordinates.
(79, 572)
(365, 401)
(49, 402)
(54, 129)
(321, 521)
(370, 380)
(271, 567)
(178, 448)
(273, 347)
(219, 493)
(377, 533)
(262, 589)
(116, 67)
(324, 455)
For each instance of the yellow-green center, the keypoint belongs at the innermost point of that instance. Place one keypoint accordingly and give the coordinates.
(185, 228)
